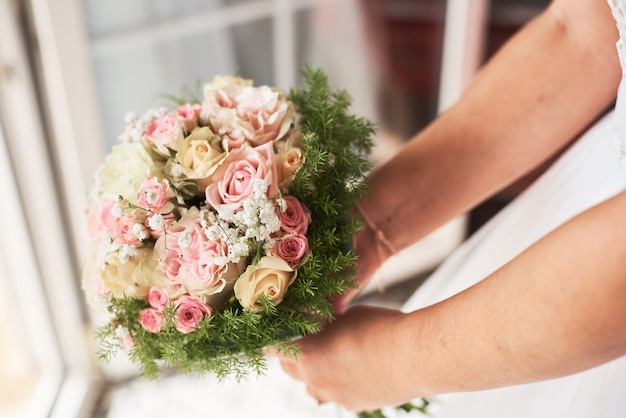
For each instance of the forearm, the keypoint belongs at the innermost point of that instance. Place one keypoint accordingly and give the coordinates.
(556, 309)
(503, 126)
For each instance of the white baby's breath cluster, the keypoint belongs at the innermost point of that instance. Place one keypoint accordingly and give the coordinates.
(257, 223)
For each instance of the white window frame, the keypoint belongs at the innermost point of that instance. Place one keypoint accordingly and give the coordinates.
(36, 250)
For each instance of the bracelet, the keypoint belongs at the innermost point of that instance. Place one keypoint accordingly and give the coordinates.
(378, 233)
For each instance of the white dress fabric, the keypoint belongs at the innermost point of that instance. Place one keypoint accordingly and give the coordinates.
(591, 171)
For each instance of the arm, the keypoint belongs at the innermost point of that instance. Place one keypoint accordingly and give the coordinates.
(501, 128)
(556, 309)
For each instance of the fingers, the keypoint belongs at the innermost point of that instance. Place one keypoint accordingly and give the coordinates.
(288, 364)
(291, 367)
(340, 303)
(271, 351)
(315, 395)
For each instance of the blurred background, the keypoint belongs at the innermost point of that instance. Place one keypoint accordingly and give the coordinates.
(71, 69)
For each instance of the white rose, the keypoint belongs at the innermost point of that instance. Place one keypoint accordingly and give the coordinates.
(125, 169)
(270, 277)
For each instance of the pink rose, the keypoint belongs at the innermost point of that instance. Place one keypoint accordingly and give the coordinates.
(234, 180)
(189, 313)
(165, 131)
(124, 231)
(100, 219)
(267, 111)
(157, 298)
(296, 217)
(292, 248)
(155, 195)
(152, 320)
(128, 342)
(201, 273)
(187, 115)
(242, 112)
(187, 256)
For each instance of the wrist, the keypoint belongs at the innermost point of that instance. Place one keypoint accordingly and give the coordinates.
(371, 255)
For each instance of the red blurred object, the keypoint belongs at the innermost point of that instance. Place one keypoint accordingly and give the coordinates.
(406, 39)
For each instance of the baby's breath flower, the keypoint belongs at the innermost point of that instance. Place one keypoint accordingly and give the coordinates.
(238, 250)
(269, 244)
(212, 217)
(122, 332)
(117, 211)
(221, 260)
(140, 231)
(212, 232)
(130, 117)
(107, 239)
(227, 215)
(184, 239)
(156, 222)
(269, 217)
(260, 187)
(126, 253)
(248, 216)
(151, 196)
(282, 204)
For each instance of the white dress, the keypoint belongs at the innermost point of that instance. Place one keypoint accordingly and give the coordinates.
(591, 171)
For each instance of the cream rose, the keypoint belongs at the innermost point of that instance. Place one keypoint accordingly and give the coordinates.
(289, 159)
(270, 277)
(133, 278)
(199, 155)
(124, 171)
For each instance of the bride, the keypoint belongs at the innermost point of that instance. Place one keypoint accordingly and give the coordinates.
(528, 317)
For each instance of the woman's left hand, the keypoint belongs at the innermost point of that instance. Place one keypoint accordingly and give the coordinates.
(354, 361)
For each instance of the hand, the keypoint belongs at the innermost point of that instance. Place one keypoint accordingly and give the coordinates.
(352, 362)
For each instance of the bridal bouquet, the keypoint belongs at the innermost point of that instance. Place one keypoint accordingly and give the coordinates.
(218, 227)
